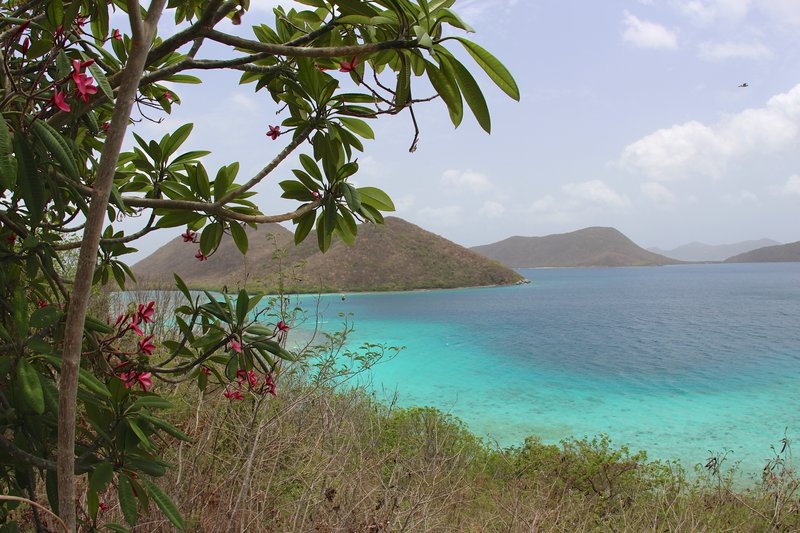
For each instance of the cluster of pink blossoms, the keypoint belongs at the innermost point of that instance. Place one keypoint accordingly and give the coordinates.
(249, 379)
(130, 322)
(84, 85)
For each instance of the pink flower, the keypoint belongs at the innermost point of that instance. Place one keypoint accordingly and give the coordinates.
(83, 83)
(116, 35)
(103, 506)
(200, 256)
(188, 236)
(41, 304)
(145, 346)
(60, 101)
(168, 96)
(205, 370)
(236, 345)
(146, 312)
(144, 379)
(348, 66)
(274, 132)
(80, 20)
(134, 325)
(25, 44)
(233, 395)
(248, 376)
(316, 195)
(106, 126)
(282, 326)
(269, 385)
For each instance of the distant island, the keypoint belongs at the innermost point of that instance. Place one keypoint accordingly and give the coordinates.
(701, 252)
(784, 253)
(394, 256)
(589, 247)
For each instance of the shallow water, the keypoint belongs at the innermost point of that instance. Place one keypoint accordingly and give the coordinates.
(681, 361)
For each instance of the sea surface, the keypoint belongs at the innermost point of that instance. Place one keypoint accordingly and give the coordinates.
(682, 361)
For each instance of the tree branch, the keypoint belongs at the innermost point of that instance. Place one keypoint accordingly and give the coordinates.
(255, 180)
(304, 51)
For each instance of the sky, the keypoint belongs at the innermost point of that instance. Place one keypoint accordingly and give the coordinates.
(631, 116)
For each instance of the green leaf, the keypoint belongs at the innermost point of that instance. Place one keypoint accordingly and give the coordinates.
(171, 143)
(29, 187)
(376, 198)
(113, 526)
(448, 90)
(146, 442)
(151, 402)
(358, 126)
(305, 224)
(311, 167)
(100, 477)
(8, 175)
(84, 378)
(182, 287)
(239, 237)
(242, 306)
(472, 93)
(100, 77)
(45, 317)
(164, 503)
(169, 428)
(210, 238)
(127, 501)
(30, 388)
(351, 196)
(493, 67)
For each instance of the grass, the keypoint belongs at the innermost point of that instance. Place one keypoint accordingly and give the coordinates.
(319, 458)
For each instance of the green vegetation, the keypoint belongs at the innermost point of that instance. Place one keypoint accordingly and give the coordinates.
(321, 458)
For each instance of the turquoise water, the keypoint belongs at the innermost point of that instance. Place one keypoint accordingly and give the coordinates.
(680, 361)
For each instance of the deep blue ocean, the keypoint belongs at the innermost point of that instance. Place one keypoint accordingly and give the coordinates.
(682, 361)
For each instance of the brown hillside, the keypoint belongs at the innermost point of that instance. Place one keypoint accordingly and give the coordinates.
(784, 253)
(583, 248)
(394, 256)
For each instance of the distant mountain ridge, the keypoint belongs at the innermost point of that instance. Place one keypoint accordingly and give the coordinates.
(698, 251)
(783, 253)
(595, 246)
(394, 256)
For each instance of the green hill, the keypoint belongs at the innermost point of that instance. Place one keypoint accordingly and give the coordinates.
(583, 248)
(783, 253)
(395, 256)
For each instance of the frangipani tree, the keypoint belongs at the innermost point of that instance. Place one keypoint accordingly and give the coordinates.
(75, 390)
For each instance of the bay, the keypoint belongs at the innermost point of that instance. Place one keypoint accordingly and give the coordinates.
(682, 361)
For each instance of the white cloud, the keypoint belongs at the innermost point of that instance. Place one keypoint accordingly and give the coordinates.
(732, 50)
(403, 204)
(647, 34)
(791, 187)
(466, 180)
(545, 204)
(694, 148)
(595, 192)
(491, 209)
(708, 11)
(740, 198)
(449, 215)
(244, 102)
(657, 193)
